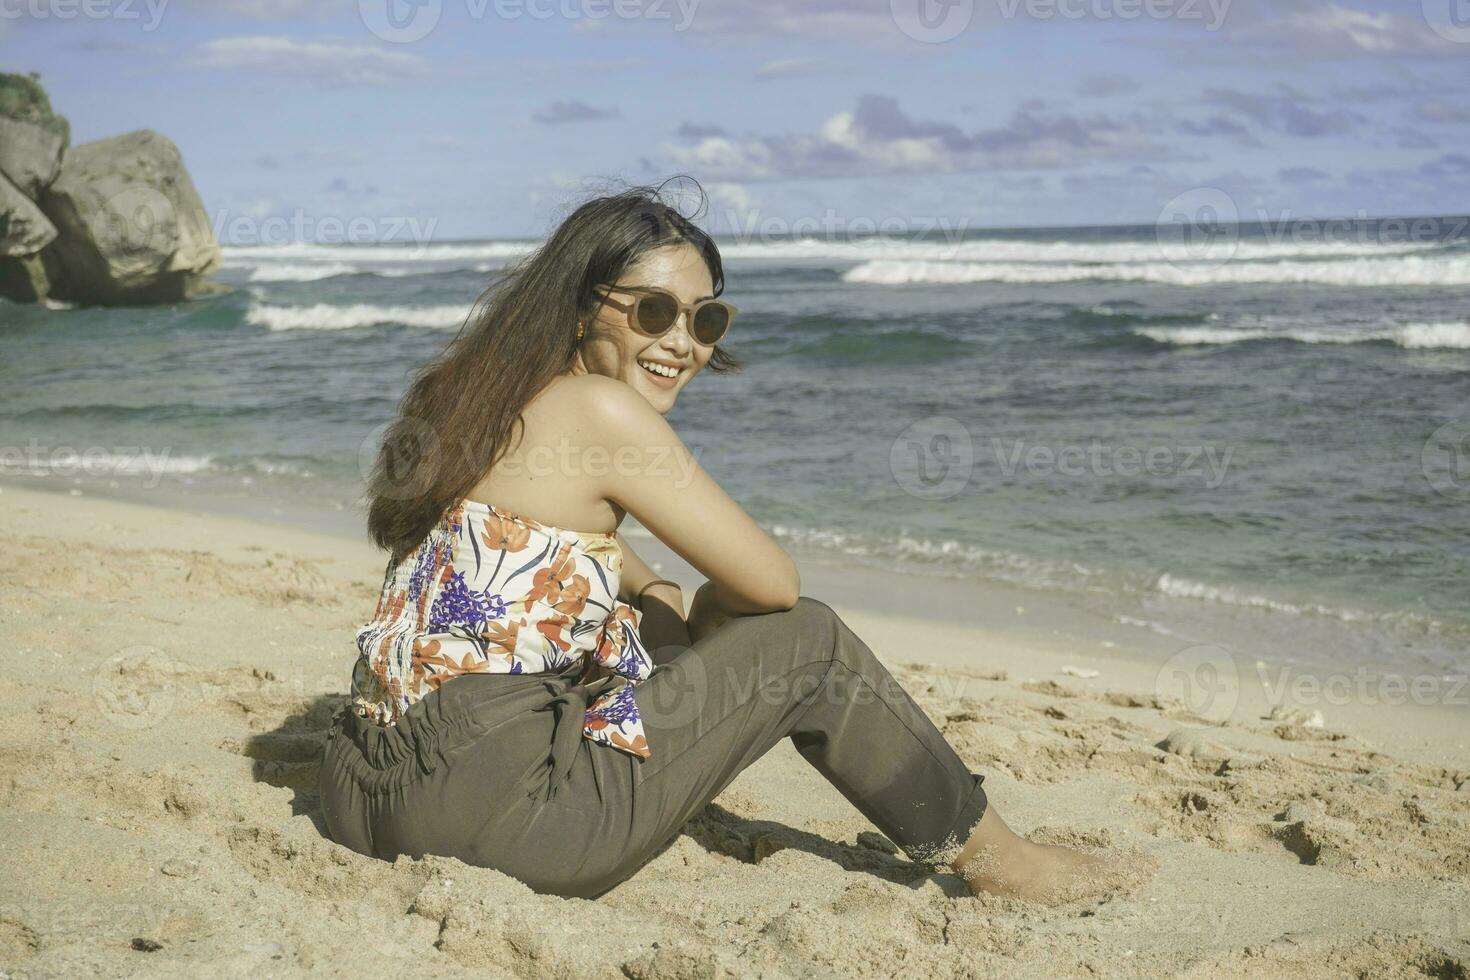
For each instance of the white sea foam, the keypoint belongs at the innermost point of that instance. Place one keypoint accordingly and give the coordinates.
(996, 250)
(99, 462)
(1408, 335)
(147, 463)
(945, 556)
(297, 272)
(1433, 335)
(1183, 588)
(1147, 624)
(1404, 270)
(324, 316)
(387, 253)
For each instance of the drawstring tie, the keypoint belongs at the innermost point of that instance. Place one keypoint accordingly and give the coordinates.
(571, 718)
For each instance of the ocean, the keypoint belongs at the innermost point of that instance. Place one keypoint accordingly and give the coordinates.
(1267, 435)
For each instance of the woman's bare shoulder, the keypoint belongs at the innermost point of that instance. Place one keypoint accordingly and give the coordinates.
(594, 404)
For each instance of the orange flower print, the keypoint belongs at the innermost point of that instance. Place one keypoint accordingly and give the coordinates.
(433, 666)
(561, 585)
(549, 576)
(501, 534)
(391, 603)
(615, 633)
(638, 745)
(554, 628)
(611, 645)
(385, 680)
(541, 580)
(571, 598)
(502, 635)
(421, 650)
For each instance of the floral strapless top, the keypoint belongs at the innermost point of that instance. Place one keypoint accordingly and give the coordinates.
(492, 591)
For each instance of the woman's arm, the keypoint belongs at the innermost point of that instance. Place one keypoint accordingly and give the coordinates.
(663, 629)
(657, 480)
(636, 572)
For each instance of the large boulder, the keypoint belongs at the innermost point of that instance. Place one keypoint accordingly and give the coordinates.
(32, 136)
(131, 227)
(32, 139)
(24, 230)
(24, 279)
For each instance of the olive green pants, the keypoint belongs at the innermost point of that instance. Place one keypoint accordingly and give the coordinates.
(493, 769)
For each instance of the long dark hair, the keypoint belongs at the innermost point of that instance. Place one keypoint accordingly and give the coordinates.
(457, 417)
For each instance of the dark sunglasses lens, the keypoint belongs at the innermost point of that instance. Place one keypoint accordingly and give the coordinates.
(711, 322)
(657, 313)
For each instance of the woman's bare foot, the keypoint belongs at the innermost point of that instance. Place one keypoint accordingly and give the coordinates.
(997, 861)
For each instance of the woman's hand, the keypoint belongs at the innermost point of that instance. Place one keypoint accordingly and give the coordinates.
(664, 633)
(707, 612)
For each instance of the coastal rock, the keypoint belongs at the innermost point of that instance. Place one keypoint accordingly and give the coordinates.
(24, 230)
(32, 137)
(24, 279)
(132, 228)
(113, 222)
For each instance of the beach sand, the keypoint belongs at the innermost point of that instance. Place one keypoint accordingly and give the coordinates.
(169, 675)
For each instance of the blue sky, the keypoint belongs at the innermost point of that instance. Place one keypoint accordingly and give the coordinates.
(482, 118)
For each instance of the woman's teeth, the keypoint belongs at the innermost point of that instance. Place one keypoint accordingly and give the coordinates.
(660, 369)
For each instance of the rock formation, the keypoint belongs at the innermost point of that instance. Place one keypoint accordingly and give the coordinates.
(114, 222)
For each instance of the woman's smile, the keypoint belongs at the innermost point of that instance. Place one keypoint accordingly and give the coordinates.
(662, 373)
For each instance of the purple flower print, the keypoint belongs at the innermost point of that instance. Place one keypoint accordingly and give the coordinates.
(459, 605)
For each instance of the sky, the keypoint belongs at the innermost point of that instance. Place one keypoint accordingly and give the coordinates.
(444, 119)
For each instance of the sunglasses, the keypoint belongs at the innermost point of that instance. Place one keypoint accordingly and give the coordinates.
(654, 312)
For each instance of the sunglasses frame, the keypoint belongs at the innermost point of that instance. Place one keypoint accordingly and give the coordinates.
(688, 310)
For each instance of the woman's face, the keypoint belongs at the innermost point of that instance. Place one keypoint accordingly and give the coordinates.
(612, 347)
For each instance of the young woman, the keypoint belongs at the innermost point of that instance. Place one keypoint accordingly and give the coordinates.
(532, 698)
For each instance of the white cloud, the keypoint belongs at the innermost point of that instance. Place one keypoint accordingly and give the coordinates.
(878, 137)
(329, 62)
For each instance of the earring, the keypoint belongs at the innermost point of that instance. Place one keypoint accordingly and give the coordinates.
(581, 329)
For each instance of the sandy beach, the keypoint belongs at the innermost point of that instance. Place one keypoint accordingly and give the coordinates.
(170, 675)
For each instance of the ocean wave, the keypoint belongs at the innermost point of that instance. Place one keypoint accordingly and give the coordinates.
(495, 254)
(950, 558)
(324, 316)
(98, 462)
(288, 272)
(942, 557)
(1408, 270)
(1147, 624)
(1002, 250)
(386, 253)
(284, 272)
(147, 463)
(1409, 335)
(1183, 588)
(1108, 316)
